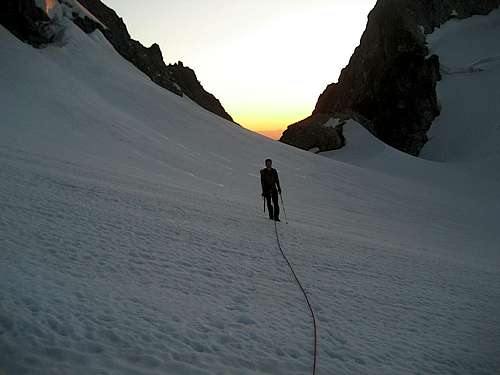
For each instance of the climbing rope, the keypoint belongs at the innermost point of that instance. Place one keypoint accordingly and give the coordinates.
(306, 298)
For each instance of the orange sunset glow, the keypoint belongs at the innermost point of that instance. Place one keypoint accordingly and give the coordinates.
(267, 61)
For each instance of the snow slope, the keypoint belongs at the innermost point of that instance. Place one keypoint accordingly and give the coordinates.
(468, 129)
(465, 138)
(133, 240)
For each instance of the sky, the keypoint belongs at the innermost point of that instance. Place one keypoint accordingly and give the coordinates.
(267, 61)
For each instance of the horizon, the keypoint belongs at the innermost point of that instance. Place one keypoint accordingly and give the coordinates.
(267, 72)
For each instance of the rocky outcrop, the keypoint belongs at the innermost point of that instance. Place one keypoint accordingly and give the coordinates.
(311, 133)
(322, 131)
(31, 24)
(189, 84)
(390, 79)
(27, 21)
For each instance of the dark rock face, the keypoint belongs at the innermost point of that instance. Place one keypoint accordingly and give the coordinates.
(30, 24)
(433, 13)
(311, 133)
(390, 79)
(26, 21)
(189, 84)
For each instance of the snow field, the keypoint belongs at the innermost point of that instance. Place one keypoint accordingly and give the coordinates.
(133, 240)
(469, 126)
(161, 305)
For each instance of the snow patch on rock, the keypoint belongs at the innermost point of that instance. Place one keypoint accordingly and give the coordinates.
(333, 123)
(73, 7)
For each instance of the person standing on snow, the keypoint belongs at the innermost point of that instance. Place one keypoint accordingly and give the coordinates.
(270, 189)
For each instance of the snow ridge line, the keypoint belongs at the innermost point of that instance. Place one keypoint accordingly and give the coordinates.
(306, 298)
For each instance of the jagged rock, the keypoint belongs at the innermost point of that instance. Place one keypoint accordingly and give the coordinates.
(311, 133)
(390, 79)
(27, 21)
(85, 23)
(186, 79)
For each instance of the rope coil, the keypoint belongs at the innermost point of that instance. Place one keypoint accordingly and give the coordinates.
(306, 298)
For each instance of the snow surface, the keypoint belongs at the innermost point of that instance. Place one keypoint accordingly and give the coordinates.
(133, 240)
(468, 128)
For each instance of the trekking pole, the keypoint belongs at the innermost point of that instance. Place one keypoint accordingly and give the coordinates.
(264, 200)
(283, 205)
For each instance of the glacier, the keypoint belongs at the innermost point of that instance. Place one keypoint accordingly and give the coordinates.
(132, 237)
